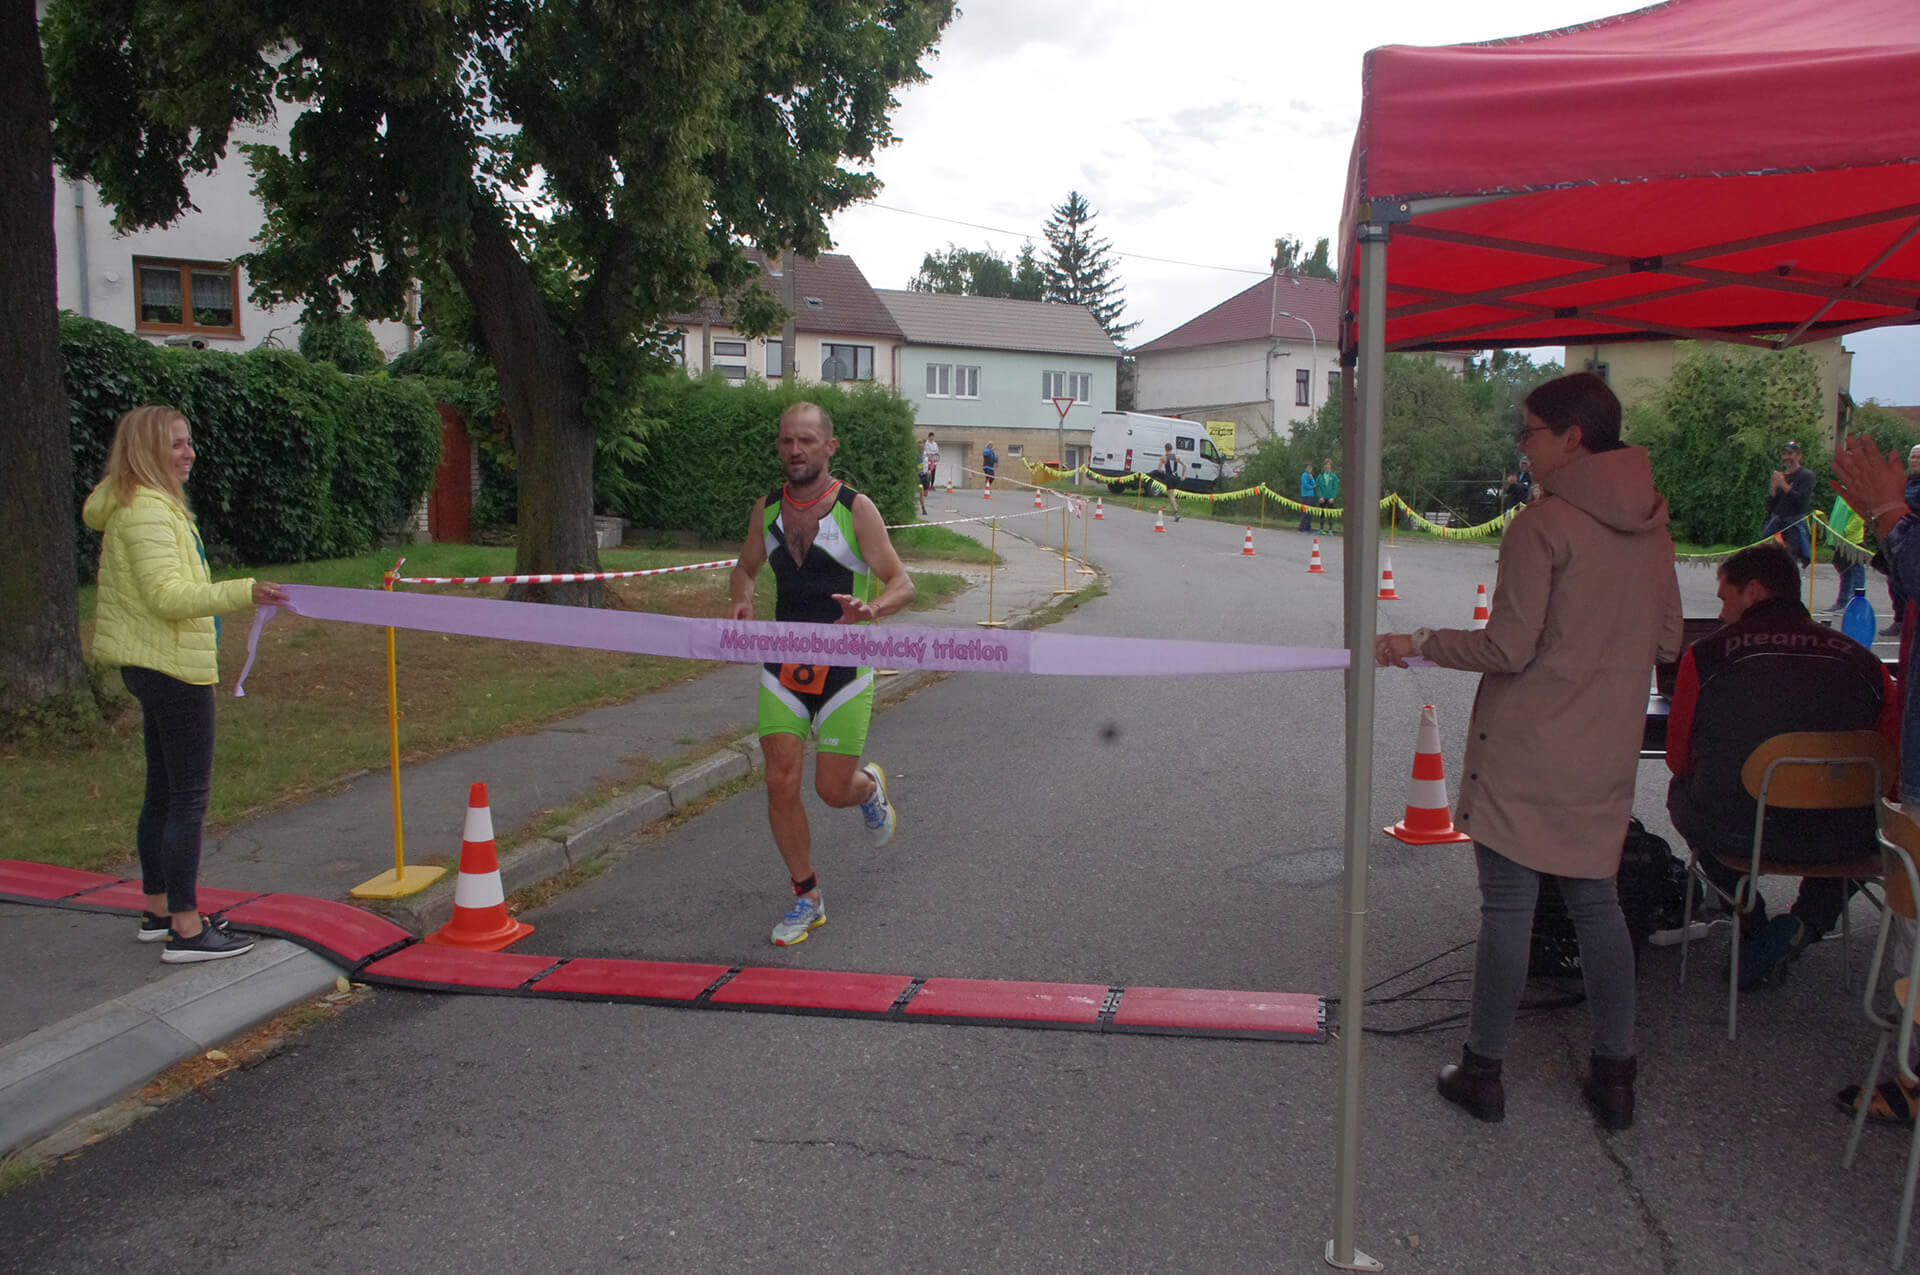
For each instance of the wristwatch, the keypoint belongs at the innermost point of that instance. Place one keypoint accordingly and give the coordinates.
(1420, 637)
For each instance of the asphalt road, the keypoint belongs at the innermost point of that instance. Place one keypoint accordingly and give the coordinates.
(1169, 831)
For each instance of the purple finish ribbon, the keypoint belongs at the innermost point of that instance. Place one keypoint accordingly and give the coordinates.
(785, 642)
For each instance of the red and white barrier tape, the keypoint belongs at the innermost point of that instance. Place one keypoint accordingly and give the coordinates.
(581, 577)
(568, 577)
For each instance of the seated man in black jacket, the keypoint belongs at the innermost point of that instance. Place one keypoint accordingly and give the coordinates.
(1767, 670)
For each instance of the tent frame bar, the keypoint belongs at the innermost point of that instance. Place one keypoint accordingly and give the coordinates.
(1361, 554)
(1856, 288)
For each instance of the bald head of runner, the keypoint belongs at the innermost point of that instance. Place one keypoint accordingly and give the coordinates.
(806, 443)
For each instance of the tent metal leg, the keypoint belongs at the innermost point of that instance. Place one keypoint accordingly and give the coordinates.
(1362, 554)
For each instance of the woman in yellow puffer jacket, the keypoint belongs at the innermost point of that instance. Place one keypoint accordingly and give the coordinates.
(154, 616)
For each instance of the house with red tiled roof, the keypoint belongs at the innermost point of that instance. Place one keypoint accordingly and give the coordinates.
(1265, 359)
(841, 331)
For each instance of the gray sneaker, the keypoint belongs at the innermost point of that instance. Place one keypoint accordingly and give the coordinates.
(805, 915)
(877, 810)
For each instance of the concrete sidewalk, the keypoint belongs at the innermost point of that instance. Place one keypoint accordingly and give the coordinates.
(89, 1015)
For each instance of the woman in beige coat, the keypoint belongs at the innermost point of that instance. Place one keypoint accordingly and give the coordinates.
(1586, 600)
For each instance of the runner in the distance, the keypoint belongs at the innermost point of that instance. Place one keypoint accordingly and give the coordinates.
(832, 564)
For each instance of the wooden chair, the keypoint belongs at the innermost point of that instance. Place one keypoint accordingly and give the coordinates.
(1798, 770)
(1900, 842)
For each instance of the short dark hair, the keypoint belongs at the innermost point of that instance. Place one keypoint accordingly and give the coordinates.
(1581, 399)
(1770, 564)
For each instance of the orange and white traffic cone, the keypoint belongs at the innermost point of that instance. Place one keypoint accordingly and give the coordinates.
(1246, 550)
(480, 921)
(1480, 610)
(1386, 581)
(987, 493)
(1099, 509)
(1313, 564)
(1159, 520)
(1427, 821)
(1036, 498)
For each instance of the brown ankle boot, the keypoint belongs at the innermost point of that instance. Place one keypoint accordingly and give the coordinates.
(1474, 1084)
(1609, 1091)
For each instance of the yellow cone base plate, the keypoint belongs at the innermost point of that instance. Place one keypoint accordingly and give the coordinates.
(389, 885)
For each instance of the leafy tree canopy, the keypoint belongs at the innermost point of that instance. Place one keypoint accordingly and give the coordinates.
(1447, 441)
(581, 170)
(1291, 257)
(981, 272)
(1715, 429)
(1080, 268)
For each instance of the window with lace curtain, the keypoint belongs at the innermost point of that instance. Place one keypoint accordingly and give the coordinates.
(201, 298)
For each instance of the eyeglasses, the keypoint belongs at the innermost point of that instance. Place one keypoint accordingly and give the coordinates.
(1530, 430)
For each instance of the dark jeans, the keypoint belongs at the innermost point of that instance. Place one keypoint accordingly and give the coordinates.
(1794, 532)
(1508, 892)
(1821, 899)
(1306, 515)
(177, 720)
(1326, 517)
(1851, 578)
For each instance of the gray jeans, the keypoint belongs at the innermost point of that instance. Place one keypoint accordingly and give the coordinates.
(1508, 892)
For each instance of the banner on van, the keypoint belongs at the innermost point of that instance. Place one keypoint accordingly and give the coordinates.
(1222, 434)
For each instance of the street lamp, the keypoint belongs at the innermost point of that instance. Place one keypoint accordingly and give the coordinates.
(1313, 339)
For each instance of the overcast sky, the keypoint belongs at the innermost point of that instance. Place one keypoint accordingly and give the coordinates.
(1197, 131)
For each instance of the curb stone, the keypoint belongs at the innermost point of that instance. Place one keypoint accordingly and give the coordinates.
(72, 1068)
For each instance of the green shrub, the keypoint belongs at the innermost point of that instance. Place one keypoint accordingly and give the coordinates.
(296, 460)
(696, 454)
(342, 340)
(1714, 431)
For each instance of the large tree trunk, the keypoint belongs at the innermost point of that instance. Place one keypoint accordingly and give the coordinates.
(543, 389)
(40, 664)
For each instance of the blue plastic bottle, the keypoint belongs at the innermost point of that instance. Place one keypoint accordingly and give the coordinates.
(1858, 621)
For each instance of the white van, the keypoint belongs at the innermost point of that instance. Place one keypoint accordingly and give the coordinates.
(1134, 442)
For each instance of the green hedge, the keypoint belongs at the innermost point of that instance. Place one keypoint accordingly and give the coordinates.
(708, 452)
(296, 460)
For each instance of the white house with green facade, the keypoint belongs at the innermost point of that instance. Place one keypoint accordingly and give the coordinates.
(980, 369)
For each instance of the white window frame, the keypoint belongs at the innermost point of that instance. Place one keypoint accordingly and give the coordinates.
(1053, 385)
(1302, 387)
(774, 359)
(1080, 385)
(939, 380)
(966, 381)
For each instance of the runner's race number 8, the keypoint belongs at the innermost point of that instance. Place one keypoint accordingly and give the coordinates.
(803, 679)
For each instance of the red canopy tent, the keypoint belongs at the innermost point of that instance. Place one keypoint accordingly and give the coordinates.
(1734, 170)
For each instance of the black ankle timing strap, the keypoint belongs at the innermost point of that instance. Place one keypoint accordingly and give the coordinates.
(811, 883)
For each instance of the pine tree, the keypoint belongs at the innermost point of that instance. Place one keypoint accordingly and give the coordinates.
(1079, 266)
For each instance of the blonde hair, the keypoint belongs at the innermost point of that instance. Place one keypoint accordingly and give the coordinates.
(142, 454)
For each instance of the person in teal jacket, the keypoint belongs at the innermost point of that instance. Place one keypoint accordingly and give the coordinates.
(1327, 487)
(1309, 496)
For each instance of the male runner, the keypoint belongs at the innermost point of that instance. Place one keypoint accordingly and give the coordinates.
(832, 564)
